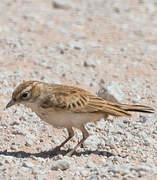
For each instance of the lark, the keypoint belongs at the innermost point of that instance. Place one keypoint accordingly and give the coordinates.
(69, 107)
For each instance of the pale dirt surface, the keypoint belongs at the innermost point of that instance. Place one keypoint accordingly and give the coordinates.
(91, 44)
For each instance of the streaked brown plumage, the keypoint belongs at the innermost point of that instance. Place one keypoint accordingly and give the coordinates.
(68, 106)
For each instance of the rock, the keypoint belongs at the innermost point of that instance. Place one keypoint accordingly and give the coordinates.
(25, 169)
(28, 164)
(76, 177)
(2, 162)
(92, 142)
(104, 94)
(90, 164)
(40, 177)
(60, 164)
(148, 140)
(111, 91)
(79, 35)
(94, 44)
(3, 123)
(61, 4)
(110, 142)
(141, 168)
(93, 177)
(29, 142)
(76, 45)
(90, 62)
(15, 122)
(84, 172)
(9, 159)
(31, 136)
(56, 140)
(14, 147)
(101, 124)
(142, 118)
(18, 130)
(43, 127)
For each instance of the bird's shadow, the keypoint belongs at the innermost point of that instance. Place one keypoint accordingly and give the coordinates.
(52, 153)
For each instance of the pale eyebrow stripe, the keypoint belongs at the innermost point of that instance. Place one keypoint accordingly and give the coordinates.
(27, 89)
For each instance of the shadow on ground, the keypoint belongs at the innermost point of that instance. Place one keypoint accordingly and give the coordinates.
(52, 153)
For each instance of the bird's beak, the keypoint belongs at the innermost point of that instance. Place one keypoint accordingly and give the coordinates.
(10, 103)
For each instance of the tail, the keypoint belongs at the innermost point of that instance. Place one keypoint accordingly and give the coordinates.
(137, 108)
(97, 104)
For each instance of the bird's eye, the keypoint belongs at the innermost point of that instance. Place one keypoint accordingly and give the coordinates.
(25, 94)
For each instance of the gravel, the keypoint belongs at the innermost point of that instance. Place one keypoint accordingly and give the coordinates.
(106, 47)
(60, 164)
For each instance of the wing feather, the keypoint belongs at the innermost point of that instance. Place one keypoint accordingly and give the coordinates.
(78, 100)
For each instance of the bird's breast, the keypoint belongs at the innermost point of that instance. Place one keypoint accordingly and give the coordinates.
(63, 118)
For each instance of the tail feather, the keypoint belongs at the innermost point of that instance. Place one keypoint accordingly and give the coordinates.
(137, 108)
(97, 104)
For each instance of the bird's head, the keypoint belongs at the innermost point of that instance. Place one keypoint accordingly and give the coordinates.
(25, 93)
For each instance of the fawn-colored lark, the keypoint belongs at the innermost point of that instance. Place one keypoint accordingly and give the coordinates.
(68, 106)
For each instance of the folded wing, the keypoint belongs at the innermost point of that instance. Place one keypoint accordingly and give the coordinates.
(78, 100)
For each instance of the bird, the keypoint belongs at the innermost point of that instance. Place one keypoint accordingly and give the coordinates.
(69, 107)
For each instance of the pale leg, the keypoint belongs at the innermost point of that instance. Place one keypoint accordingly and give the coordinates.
(85, 135)
(71, 134)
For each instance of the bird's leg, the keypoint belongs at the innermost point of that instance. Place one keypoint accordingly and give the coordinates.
(85, 135)
(105, 117)
(71, 134)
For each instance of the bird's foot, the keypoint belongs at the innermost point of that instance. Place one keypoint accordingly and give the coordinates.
(82, 145)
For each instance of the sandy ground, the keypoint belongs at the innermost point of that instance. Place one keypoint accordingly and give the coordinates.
(90, 44)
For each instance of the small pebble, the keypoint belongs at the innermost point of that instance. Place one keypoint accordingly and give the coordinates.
(60, 164)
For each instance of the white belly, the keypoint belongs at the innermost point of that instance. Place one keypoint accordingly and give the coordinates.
(65, 118)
